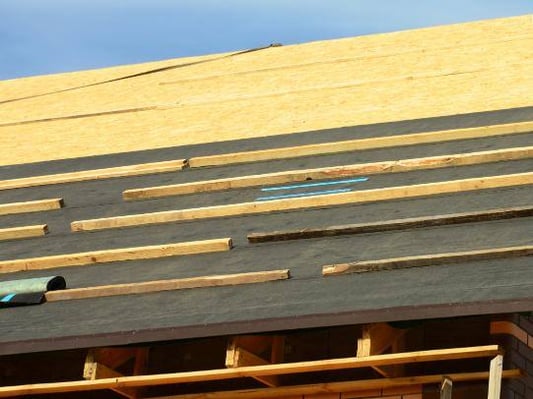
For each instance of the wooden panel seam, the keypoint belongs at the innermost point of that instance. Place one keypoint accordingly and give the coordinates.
(167, 285)
(116, 255)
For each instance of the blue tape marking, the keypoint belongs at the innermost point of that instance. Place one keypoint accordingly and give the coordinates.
(316, 184)
(7, 298)
(324, 192)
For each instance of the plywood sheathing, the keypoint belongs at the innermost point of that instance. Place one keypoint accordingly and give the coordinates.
(430, 72)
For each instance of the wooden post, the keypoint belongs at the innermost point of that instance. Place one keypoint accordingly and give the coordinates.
(495, 377)
(446, 388)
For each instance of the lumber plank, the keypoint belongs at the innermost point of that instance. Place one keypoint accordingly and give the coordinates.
(94, 174)
(31, 206)
(495, 377)
(402, 165)
(241, 358)
(272, 369)
(16, 233)
(446, 388)
(339, 387)
(116, 255)
(167, 285)
(361, 144)
(395, 224)
(426, 260)
(353, 197)
(508, 327)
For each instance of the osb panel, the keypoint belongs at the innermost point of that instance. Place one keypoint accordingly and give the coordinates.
(407, 75)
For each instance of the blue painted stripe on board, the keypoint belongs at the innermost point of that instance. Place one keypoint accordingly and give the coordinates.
(7, 298)
(315, 184)
(324, 192)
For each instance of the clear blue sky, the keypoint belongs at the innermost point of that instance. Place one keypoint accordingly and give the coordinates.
(49, 36)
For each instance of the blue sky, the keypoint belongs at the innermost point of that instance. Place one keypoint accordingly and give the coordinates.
(50, 36)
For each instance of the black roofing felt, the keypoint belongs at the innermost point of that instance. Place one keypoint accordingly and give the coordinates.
(307, 299)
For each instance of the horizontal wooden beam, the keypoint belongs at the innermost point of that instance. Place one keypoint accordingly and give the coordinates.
(31, 206)
(426, 260)
(16, 233)
(167, 285)
(362, 144)
(403, 165)
(319, 201)
(116, 255)
(328, 388)
(395, 224)
(94, 174)
(508, 327)
(272, 369)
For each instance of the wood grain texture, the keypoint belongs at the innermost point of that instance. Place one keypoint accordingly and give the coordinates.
(95, 174)
(264, 370)
(355, 197)
(167, 285)
(426, 260)
(31, 206)
(16, 233)
(396, 224)
(402, 165)
(481, 66)
(116, 255)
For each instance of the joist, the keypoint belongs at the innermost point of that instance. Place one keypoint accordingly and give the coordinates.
(426, 260)
(318, 201)
(116, 255)
(241, 358)
(402, 165)
(340, 387)
(31, 206)
(16, 233)
(395, 224)
(362, 144)
(167, 285)
(94, 174)
(272, 369)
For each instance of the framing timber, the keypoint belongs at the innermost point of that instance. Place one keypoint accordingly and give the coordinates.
(495, 377)
(403, 165)
(95, 174)
(336, 387)
(426, 260)
(273, 369)
(508, 327)
(116, 255)
(31, 206)
(395, 224)
(167, 285)
(354, 197)
(361, 144)
(446, 388)
(16, 233)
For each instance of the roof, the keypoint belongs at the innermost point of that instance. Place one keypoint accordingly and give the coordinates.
(479, 261)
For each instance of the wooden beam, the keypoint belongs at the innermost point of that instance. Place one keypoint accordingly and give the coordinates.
(362, 144)
(272, 369)
(94, 174)
(319, 201)
(339, 387)
(495, 377)
(446, 388)
(17, 233)
(239, 357)
(116, 255)
(395, 224)
(31, 206)
(426, 260)
(166, 285)
(508, 327)
(403, 165)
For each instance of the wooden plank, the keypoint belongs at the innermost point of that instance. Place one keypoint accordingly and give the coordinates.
(446, 388)
(340, 387)
(319, 201)
(402, 165)
(116, 255)
(167, 285)
(242, 358)
(361, 144)
(94, 174)
(508, 327)
(495, 377)
(16, 233)
(395, 224)
(31, 206)
(95, 371)
(120, 382)
(426, 260)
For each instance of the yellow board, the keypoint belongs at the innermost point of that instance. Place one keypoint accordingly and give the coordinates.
(473, 67)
